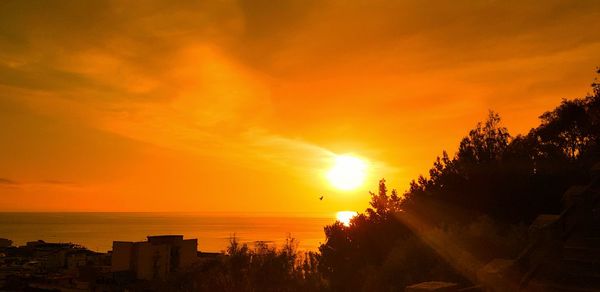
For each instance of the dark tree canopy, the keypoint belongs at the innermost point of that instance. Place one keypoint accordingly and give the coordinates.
(504, 179)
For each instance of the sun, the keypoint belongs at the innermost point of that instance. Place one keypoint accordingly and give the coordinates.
(347, 173)
(345, 216)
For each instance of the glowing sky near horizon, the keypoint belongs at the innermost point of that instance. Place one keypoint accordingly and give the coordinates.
(240, 106)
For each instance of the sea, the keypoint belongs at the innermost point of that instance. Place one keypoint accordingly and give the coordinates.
(97, 231)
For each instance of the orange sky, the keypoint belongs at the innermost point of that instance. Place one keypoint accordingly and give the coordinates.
(240, 106)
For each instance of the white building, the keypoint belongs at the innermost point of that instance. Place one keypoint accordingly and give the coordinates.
(155, 258)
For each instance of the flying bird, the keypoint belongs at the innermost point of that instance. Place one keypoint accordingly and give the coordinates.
(321, 198)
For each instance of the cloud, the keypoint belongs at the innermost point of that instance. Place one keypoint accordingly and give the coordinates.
(9, 182)
(43, 184)
(86, 89)
(58, 182)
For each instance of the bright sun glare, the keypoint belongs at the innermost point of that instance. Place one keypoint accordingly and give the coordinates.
(345, 217)
(347, 173)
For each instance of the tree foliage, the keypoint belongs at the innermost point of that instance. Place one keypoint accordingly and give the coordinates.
(262, 268)
(506, 180)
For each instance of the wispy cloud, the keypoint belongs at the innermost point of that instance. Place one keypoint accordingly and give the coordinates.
(271, 85)
(41, 183)
(8, 182)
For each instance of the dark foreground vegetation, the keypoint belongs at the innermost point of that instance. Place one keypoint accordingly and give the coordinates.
(472, 207)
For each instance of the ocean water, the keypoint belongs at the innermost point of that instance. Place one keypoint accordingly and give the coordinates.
(97, 231)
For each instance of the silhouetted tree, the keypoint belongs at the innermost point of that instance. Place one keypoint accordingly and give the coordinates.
(367, 254)
(262, 268)
(503, 179)
(485, 143)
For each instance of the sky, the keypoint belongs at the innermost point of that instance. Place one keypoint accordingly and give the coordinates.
(242, 106)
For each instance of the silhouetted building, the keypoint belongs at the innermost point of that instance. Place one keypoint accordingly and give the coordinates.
(155, 258)
(46, 266)
(5, 242)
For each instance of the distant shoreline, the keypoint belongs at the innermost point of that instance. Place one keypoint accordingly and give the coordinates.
(97, 230)
(183, 213)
